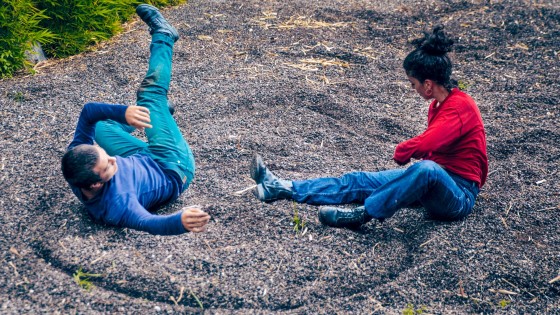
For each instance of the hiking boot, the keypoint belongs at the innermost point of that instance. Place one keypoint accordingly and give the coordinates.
(155, 21)
(269, 186)
(341, 217)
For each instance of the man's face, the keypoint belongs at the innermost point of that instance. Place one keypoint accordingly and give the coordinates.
(106, 165)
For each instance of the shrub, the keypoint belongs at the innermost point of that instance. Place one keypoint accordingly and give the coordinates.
(63, 27)
(19, 29)
(164, 3)
(81, 23)
(78, 24)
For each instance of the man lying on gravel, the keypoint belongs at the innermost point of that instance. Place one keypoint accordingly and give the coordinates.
(452, 150)
(123, 177)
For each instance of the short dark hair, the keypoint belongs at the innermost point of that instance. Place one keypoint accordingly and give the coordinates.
(77, 166)
(429, 60)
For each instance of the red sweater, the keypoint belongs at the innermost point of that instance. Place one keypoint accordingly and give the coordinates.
(455, 139)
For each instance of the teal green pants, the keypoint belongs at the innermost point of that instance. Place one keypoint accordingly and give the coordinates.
(166, 144)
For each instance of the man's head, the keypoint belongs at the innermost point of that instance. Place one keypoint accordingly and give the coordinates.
(87, 166)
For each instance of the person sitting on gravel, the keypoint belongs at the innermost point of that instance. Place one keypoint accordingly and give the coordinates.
(452, 152)
(123, 177)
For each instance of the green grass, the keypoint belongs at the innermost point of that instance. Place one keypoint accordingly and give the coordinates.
(298, 222)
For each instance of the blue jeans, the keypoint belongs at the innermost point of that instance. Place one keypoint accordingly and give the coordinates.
(445, 196)
(166, 144)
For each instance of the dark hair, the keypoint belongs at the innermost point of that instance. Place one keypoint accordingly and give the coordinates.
(429, 60)
(77, 166)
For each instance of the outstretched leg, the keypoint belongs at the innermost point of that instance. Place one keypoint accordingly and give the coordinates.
(166, 144)
(445, 196)
(350, 188)
(353, 187)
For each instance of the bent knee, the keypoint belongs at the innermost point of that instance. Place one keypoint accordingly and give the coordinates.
(426, 166)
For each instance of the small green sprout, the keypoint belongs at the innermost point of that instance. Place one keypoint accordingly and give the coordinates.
(197, 300)
(18, 97)
(299, 224)
(409, 310)
(83, 279)
(463, 85)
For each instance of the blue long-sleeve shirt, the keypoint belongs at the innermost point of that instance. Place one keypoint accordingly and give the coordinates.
(139, 183)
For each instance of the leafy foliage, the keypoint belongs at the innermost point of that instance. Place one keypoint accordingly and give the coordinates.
(19, 29)
(164, 3)
(64, 27)
(81, 23)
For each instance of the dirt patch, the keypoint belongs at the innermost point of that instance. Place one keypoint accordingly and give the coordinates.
(318, 89)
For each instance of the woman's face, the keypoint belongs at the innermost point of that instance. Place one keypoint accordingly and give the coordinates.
(423, 89)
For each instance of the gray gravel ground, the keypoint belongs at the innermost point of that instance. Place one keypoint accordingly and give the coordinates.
(317, 88)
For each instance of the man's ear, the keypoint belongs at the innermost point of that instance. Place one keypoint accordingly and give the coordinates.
(96, 186)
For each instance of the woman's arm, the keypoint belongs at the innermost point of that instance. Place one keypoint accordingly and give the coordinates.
(442, 132)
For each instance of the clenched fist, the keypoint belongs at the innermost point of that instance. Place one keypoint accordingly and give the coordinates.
(194, 219)
(138, 117)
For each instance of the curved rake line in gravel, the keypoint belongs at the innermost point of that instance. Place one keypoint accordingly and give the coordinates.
(194, 302)
(44, 253)
(218, 302)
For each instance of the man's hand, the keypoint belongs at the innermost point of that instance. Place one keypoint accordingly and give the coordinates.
(138, 117)
(194, 219)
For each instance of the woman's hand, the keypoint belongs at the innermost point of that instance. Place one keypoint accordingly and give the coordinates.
(194, 219)
(138, 117)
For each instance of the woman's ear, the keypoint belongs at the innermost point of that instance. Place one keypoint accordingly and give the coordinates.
(428, 84)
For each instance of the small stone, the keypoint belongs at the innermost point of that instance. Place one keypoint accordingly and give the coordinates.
(35, 54)
(157, 308)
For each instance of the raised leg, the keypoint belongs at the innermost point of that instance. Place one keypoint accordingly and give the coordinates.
(166, 144)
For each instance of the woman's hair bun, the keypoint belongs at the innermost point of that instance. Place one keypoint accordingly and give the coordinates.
(436, 44)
